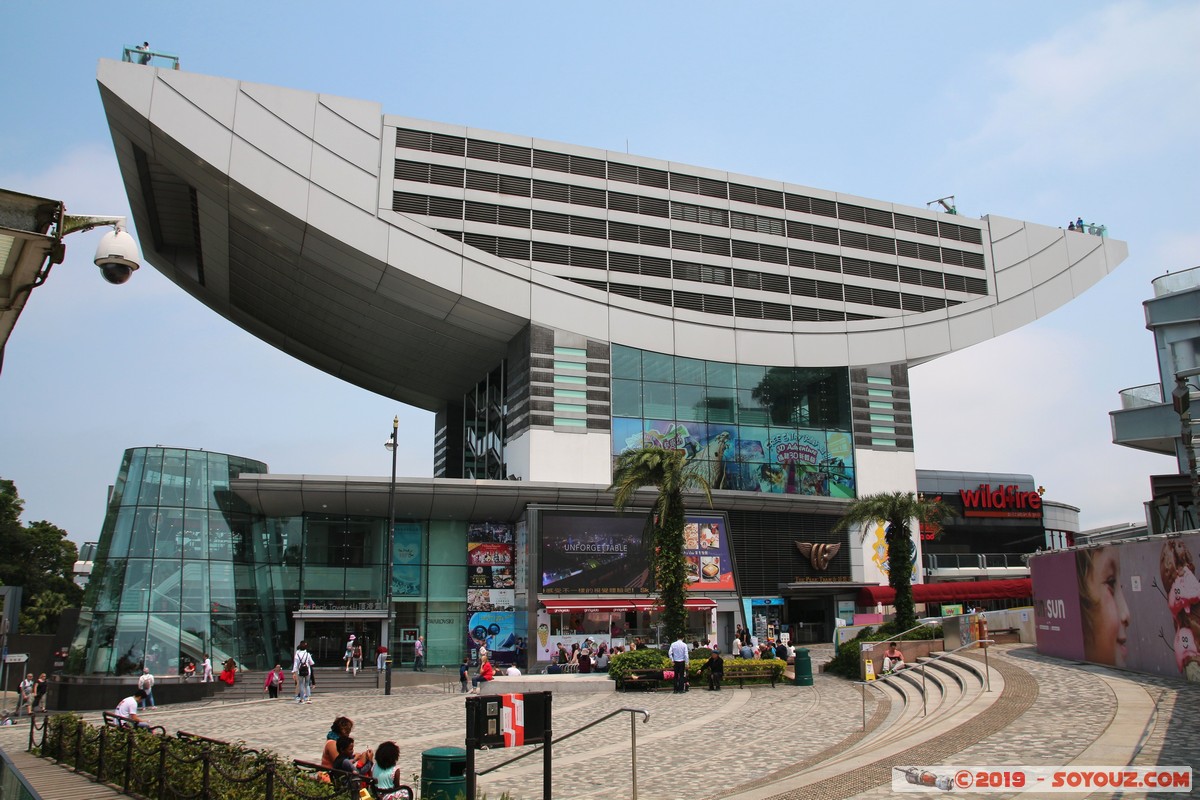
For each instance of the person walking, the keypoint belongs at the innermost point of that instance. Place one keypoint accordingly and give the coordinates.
(302, 666)
(348, 656)
(678, 653)
(39, 692)
(273, 682)
(207, 675)
(463, 669)
(419, 654)
(356, 658)
(146, 684)
(26, 690)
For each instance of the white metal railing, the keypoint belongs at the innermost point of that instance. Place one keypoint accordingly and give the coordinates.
(1176, 281)
(1150, 394)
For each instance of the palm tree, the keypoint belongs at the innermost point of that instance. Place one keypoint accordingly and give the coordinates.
(897, 510)
(663, 469)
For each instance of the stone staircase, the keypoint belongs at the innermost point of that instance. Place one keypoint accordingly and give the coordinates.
(911, 709)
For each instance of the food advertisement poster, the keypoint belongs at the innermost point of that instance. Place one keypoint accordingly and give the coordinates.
(706, 552)
(491, 596)
(1133, 605)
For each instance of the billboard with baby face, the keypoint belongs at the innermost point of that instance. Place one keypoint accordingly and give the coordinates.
(1134, 605)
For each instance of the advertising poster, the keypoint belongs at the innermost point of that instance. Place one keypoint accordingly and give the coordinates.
(593, 553)
(609, 554)
(706, 551)
(491, 596)
(1056, 605)
(751, 458)
(406, 559)
(1134, 605)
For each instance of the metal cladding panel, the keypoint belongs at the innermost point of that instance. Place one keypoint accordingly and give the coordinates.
(646, 253)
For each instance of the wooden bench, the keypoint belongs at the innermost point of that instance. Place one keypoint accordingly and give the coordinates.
(646, 680)
(112, 720)
(341, 779)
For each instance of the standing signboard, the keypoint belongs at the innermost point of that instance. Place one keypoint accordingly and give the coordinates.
(509, 720)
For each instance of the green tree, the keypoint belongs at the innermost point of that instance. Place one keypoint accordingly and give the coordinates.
(37, 557)
(897, 510)
(41, 615)
(664, 470)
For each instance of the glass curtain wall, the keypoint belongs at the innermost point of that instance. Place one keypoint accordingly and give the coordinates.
(744, 427)
(175, 568)
(439, 611)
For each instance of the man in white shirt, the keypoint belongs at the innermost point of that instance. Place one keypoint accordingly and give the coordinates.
(512, 671)
(127, 709)
(146, 684)
(26, 689)
(302, 667)
(678, 653)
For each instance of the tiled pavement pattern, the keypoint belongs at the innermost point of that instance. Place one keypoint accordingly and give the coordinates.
(705, 744)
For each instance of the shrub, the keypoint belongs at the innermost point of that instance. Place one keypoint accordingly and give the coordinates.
(848, 659)
(754, 670)
(622, 664)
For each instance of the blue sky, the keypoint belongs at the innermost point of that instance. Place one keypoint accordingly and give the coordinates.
(1038, 111)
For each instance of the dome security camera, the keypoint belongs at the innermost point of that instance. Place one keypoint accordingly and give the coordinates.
(117, 256)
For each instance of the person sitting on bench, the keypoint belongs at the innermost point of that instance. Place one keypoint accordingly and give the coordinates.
(893, 659)
(127, 710)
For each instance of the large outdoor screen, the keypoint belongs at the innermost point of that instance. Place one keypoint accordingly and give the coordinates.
(589, 553)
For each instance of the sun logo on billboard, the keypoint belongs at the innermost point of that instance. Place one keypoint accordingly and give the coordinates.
(879, 548)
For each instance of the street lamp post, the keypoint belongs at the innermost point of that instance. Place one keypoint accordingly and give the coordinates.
(390, 444)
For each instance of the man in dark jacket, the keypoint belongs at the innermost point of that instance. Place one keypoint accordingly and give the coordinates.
(715, 667)
(781, 652)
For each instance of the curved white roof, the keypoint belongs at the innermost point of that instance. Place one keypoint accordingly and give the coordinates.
(404, 255)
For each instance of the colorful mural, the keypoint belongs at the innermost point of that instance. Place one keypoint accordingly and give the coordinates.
(751, 458)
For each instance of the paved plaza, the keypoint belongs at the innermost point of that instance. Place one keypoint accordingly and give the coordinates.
(757, 742)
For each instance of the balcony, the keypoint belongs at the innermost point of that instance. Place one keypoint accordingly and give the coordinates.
(1142, 396)
(1176, 282)
(975, 565)
(1144, 421)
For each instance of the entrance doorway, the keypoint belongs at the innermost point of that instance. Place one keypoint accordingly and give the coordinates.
(327, 640)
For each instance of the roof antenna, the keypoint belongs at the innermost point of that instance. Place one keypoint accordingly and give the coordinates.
(946, 202)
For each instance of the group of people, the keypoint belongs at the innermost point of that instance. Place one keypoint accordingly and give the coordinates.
(1078, 225)
(33, 694)
(744, 646)
(379, 764)
(588, 658)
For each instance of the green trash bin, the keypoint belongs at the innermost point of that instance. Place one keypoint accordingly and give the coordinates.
(803, 668)
(444, 773)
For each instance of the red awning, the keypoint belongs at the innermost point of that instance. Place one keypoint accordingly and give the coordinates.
(557, 606)
(951, 591)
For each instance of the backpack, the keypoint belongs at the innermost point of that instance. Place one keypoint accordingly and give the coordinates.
(303, 670)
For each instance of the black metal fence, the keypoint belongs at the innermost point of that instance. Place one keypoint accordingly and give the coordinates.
(152, 764)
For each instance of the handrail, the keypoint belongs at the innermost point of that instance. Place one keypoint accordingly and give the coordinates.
(632, 735)
(137, 55)
(987, 677)
(927, 622)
